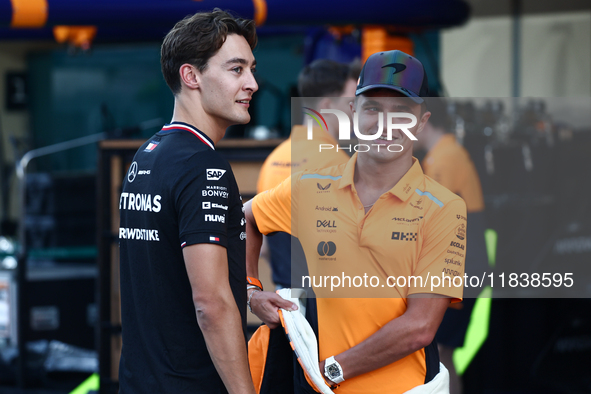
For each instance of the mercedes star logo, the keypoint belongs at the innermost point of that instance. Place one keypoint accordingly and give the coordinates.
(132, 172)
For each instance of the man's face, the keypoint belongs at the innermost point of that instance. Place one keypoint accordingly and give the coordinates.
(370, 104)
(228, 83)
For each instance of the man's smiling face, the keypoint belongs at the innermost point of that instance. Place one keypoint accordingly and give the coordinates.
(228, 83)
(368, 107)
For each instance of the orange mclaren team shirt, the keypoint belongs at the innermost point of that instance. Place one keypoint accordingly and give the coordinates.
(415, 229)
(306, 155)
(449, 164)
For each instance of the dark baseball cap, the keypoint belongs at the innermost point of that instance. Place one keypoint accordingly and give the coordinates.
(394, 70)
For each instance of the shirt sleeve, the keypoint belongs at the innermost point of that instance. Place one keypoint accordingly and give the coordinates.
(443, 252)
(272, 209)
(202, 199)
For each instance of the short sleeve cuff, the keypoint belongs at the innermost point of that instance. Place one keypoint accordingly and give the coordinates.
(204, 238)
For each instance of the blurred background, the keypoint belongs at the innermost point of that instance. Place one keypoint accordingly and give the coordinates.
(81, 89)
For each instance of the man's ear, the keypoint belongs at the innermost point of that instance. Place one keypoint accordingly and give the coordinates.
(424, 119)
(190, 76)
(352, 106)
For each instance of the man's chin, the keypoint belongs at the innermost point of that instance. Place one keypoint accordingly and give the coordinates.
(240, 120)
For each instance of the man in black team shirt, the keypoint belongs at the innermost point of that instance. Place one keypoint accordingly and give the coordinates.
(182, 234)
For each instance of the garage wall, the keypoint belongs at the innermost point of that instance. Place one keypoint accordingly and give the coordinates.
(555, 56)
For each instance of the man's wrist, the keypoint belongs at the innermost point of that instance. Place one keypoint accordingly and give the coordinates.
(333, 371)
(250, 292)
(253, 282)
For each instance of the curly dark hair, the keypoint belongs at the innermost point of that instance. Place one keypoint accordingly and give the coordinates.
(196, 38)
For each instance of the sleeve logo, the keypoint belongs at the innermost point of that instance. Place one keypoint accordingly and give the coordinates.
(461, 231)
(214, 174)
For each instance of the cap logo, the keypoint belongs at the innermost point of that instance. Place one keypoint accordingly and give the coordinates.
(397, 66)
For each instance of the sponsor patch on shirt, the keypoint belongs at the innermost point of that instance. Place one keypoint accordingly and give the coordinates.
(151, 146)
(214, 174)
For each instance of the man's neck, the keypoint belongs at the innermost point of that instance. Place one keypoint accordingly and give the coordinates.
(187, 111)
(376, 178)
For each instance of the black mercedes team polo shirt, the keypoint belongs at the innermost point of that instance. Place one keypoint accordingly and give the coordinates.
(178, 192)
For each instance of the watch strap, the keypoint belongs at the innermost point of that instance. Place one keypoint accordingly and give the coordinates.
(254, 282)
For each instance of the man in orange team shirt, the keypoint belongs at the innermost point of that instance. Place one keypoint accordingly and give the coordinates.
(391, 223)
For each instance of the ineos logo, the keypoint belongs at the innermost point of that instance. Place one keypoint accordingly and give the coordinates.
(326, 248)
(132, 172)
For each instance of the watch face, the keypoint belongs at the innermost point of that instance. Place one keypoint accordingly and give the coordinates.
(333, 371)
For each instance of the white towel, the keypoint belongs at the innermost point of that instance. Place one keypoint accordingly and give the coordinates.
(302, 338)
(438, 385)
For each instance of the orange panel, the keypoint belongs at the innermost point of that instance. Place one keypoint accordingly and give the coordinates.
(260, 11)
(28, 13)
(377, 39)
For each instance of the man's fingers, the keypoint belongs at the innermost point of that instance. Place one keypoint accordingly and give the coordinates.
(266, 304)
(283, 303)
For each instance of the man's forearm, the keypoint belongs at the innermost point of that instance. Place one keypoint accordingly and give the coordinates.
(397, 339)
(222, 329)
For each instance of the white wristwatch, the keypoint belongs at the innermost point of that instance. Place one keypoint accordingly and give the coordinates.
(333, 370)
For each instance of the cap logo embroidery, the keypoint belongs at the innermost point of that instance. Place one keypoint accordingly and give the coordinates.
(397, 66)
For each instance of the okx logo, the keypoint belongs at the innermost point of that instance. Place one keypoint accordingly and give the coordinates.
(326, 248)
(402, 236)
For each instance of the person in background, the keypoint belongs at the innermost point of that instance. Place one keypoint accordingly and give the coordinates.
(323, 84)
(449, 163)
(182, 234)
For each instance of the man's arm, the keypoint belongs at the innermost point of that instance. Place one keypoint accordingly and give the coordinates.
(264, 304)
(217, 315)
(402, 336)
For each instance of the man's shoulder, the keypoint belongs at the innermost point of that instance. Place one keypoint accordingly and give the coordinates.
(312, 176)
(332, 171)
(437, 192)
(281, 151)
(449, 155)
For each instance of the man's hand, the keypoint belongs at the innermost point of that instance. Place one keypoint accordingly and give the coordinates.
(265, 305)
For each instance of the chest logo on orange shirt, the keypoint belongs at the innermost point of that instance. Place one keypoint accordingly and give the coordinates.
(417, 205)
(326, 248)
(328, 209)
(326, 226)
(407, 221)
(323, 189)
(402, 236)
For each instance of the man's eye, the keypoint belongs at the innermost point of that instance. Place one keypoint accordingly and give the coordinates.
(372, 109)
(237, 69)
(253, 70)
